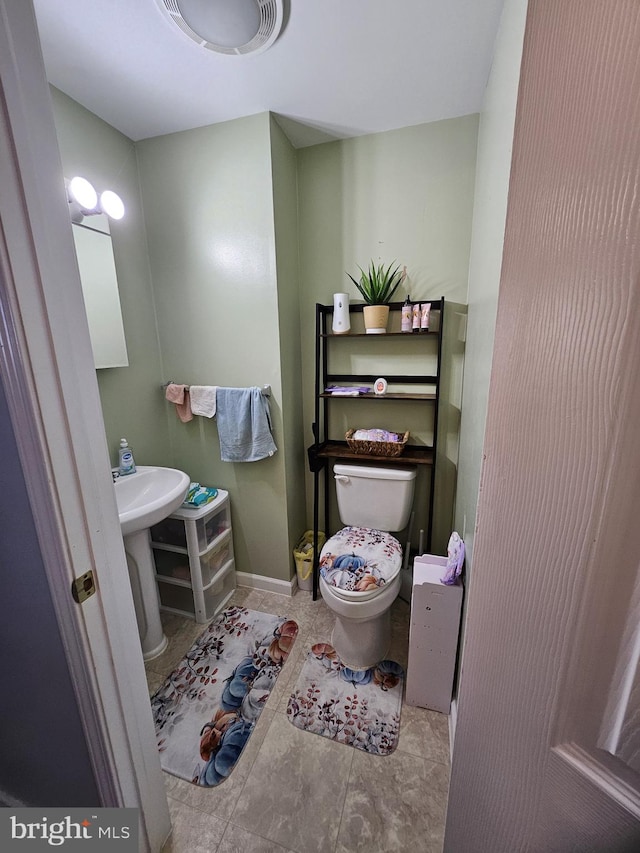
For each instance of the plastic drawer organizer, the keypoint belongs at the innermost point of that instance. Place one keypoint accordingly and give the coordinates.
(193, 553)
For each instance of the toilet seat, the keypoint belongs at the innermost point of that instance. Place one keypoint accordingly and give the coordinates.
(361, 608)
(355, 595)
(360, 557)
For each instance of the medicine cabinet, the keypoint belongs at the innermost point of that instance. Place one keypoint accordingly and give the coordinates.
(100, 288)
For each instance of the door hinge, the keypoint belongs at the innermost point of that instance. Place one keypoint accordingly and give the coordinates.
(83, 587)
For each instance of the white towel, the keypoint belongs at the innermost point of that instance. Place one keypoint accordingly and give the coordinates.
(203, 400)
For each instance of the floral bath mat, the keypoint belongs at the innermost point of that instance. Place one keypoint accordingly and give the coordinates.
(359, 708)
(207, 708)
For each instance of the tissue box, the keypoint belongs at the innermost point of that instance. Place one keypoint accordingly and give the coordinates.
(433, 635)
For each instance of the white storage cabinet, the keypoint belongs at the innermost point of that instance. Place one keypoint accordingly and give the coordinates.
(193, 554)
(433, 635)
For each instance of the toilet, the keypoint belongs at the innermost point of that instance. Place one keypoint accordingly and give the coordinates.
(360, 565)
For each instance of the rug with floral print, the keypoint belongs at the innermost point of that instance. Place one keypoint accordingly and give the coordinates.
(360, 708)
(207, 708)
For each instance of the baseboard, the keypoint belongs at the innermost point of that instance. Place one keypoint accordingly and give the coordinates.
(267, 584)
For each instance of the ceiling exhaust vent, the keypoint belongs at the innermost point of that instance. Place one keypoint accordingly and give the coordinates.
(228, 26)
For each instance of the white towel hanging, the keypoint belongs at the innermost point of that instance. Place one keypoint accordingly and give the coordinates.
(203, 400)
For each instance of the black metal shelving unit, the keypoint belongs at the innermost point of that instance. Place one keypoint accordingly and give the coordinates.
(326, 447)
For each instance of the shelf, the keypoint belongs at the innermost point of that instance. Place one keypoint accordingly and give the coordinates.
(407, 335)
(418, 391)
(387, 396)
(173, 581)
(224, 534)
(177, 599)
(219, 576)
(410, 455)
(173, 549)
(209, 521)
(167, 561)
(392, 378)
(357, 308)
(179, 549)
(194, 560)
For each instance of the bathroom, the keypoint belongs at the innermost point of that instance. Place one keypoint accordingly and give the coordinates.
(207, 267)
(212, 291)
(255, 308)
(268, 513)
(219, 268)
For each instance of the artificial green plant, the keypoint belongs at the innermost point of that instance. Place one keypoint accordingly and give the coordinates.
(377, 284)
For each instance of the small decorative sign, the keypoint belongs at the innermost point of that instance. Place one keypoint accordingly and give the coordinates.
(380, 387)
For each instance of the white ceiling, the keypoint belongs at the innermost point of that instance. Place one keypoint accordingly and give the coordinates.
(339, 68)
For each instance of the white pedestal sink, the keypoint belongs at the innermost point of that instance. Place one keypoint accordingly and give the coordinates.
(145, 498)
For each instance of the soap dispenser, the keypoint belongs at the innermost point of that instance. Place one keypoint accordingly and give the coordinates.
(126, 464)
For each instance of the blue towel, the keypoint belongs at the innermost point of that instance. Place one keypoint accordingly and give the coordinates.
(244, 425)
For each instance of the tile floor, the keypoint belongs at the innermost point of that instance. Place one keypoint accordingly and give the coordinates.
(296, 792)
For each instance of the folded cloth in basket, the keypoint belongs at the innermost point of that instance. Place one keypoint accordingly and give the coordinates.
(244, 425)
(375, 435)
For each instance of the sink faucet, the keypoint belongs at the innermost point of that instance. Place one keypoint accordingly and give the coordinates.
(115, 474)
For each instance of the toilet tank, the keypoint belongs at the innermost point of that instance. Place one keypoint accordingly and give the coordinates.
(378, 497)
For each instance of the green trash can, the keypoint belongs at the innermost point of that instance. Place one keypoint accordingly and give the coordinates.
(303, 556)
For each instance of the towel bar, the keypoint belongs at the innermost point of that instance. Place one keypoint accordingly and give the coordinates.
(265, 390)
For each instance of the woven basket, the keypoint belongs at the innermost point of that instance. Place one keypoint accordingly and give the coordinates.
(377, 448)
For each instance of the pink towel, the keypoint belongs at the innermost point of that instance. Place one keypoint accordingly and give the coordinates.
(179, 394)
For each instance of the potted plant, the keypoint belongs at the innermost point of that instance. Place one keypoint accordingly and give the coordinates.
(377, 285)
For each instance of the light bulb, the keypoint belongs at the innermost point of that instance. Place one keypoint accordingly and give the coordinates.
(83, 193)
(112, 204)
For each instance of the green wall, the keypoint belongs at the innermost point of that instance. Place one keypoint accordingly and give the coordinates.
(404, 195)
(131, 403)
(495, 141)
(241, 236)
(209, 211)
(285, 198)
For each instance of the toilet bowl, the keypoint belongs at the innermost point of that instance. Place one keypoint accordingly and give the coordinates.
(360, 564)
(362, 631)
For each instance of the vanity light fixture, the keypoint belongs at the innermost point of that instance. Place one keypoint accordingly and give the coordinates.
(228, 26)
(83, 193)
(84, 201)
(111, 204)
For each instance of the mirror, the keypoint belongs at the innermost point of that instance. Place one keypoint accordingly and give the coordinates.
(100, 287)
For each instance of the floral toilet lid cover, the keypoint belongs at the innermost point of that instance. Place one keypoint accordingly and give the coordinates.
(359, 560)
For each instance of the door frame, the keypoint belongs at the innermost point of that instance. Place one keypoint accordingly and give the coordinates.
(52, 394)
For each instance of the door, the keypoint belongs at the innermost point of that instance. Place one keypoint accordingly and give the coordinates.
(547, 753)
(52, 400)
